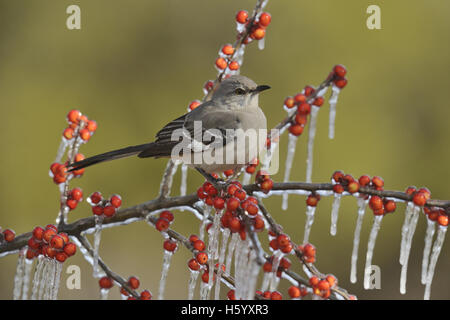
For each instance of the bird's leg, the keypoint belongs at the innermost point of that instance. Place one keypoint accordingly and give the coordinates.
(219, 183)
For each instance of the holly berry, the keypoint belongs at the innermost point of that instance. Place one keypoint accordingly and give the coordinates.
(96, 197)
(146, 295)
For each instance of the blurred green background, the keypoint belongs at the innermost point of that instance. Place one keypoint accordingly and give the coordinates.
(135, 65)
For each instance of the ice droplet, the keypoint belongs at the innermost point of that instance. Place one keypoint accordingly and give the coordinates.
(438, 243)
(431, 228)
(26, 278)
(311, 136)
(335, 213)
(192, 282)
(309, 222)
(408, 214)
(97, 238)
(261, 43)
(407, 249)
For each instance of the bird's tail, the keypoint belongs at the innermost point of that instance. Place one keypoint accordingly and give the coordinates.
(111, 155)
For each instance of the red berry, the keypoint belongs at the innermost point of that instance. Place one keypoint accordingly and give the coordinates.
(231, 295)
(235, 224)
(91, 125)
(267, 185)
(294, 292)
(331, 280)
(96, 197)
(170, 245)
(340, 70)
(70, 249)
(242, 16)
(289, 102)
(337, 176)
(232, 204)
(85, 134)
(338, 188)
(74, 116)
(353, 187)
(33, 243)
(166, 214)
(301, 119)
(283, 240)
(109, 210)
(264, 19)
(38, 232)
(309, 90)
(426, 192)
(379, 212)
(221, 63)
(219, 203)
(364, 180)
(275, 295)
(419, 199)
(228, 50)
(116, 201)
(194, 104)
(389, 206)
(313, 200)
(97, 210)
(199, 245)
(410, 190)
(378, 182)
(252, 210)
(375, 203)
(57, 242)
(68, 133)
(240, 194)
(105, 283)
(71, 203)
(133, 282)
(340, 83)
(296, 129)
(234, 65)
(193, 265)
(314, 281)
(258, 33)
(304, 108)
(318, 102)
(287, 248)
(193, 238)
(9, 235)
(202, 257)
(146, 295)
(443, 220)
(274, 244)
(162, 224)
(61, 256)
(309, 251)
(48, 234)
(76, 194)
(323, 285)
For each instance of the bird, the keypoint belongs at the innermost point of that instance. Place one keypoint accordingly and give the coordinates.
(212, 138)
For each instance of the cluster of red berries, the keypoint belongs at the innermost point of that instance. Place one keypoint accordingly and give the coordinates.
(224, 60)
(7, 235)
(436, 214)
(281, 242)
(313, 199)
(103, 207)
(419, 196)
(79, 126)
(74, 197)
(284, 264)
(338, 76)
(258, 27)
(164, 221)
(270, 295)
(50, 243)
(200, 256)
(297, 292)
(322, 287)
(308, 252)
(234, 199)
(300, 101)
(58, 171)
(133, 282)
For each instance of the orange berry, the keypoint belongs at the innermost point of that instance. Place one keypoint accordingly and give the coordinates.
(242, 16)
(296, 129)
(443, 220)
(74, 116)
(258, 33)
(68, 133)
(91, 125)
(202, 257)
(70, 249)
(264, 19)
(228, 50)
(234, 65)
(221, 63)
(289, 102)
(419, 199)
(85, 134)
(375, 203)
(353, 187)
(194, 104)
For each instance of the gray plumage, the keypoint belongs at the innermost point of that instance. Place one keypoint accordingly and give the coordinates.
(234, 105)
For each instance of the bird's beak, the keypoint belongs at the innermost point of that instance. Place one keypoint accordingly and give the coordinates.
(261, 88)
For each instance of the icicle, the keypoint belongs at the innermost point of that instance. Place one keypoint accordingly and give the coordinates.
(104, 294)
(97, 238)
(26, 278)
(44, 279)
(311, 136)
(18, 278)
(431, 228)
(37, 277)
(213, 245)
(231, 247)
(206, 214)
(309, 221)
(407, 249)
(192, 283)
(165, 269)
(61, 149)
(370, 247)
(361, 211)
(408, 214)
(289, 159)
(241, 262)
(254, 270)
(225, 236)
(335, 213)
(55, 289)
(333, 102)
(277, 256)
(266, 281)
(48, 285)
(261, 43)
(183, 186)
(264, 3)
(438, 243)
(246, 178)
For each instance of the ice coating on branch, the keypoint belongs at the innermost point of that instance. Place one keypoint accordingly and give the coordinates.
(310, 211)
(225, 236)
(335, 213)
(361, 211)
(206, 214)
(408, 214)
(370, 247)
(97, 238)
(333, 102)
(438, 243)
(183, 186)
(431, 229)
(166, 182)
(240, 27)
(266, 281)
(165, 270)
(311, 136)
(407, 248)
(18, 278)
(192, 282)
(289, 160)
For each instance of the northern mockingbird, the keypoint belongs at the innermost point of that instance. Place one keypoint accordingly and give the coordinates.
(209, 138)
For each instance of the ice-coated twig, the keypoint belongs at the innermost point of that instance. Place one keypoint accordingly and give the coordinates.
(165, 269)
(438, 243)
(288, 166)
(166, 182)
(266, 281)
(370, 247)
(212, 250)
(333, 102)
(192, 282)
(26, 278)
(275, 264)
(335, 213)
(18, 278)
(431, 229)
(310, 211)
(183, 185)
(97, 238)
(311, 137)
(407, 249)
(361, 211)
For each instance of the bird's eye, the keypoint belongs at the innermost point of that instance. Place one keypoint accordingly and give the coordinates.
(239, 91)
